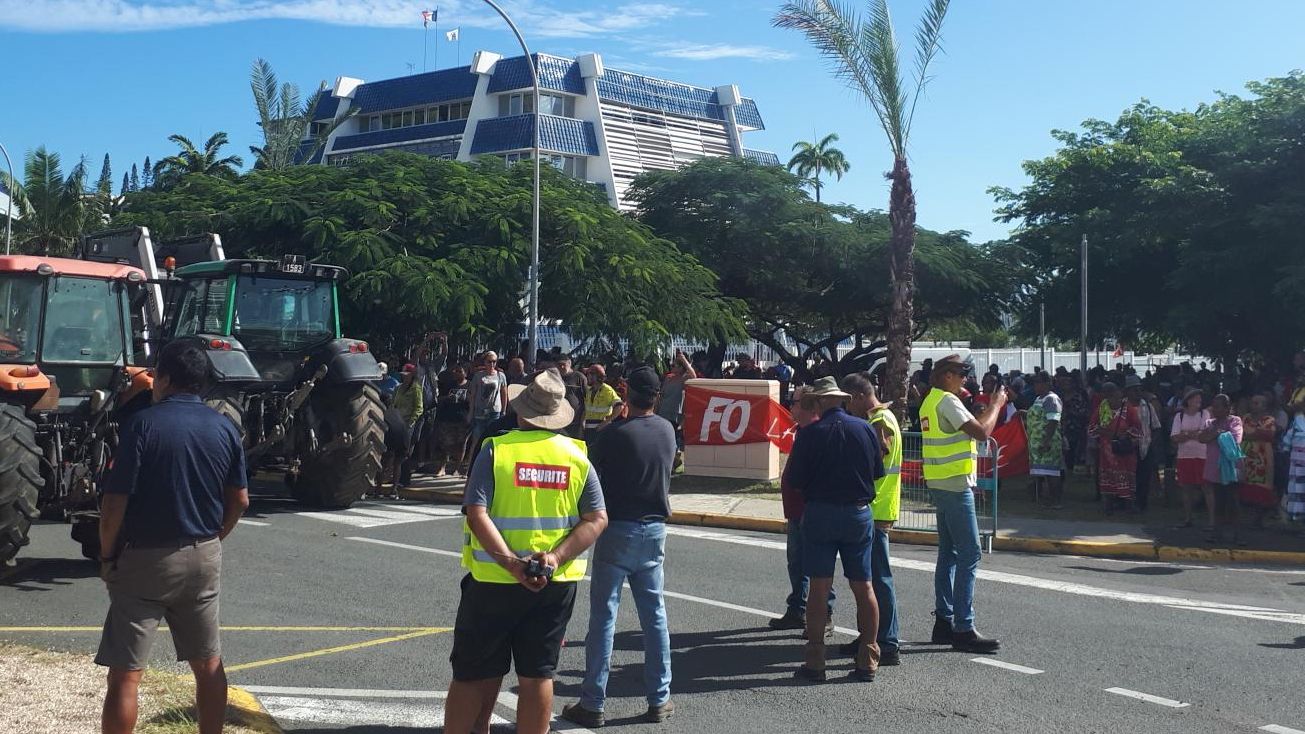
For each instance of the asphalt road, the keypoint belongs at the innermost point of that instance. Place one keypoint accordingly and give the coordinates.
(337, 621)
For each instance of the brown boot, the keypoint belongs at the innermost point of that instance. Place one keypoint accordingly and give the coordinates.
(813, 662)
(867, 661)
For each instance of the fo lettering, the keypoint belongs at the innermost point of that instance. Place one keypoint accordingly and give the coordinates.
(730, 416)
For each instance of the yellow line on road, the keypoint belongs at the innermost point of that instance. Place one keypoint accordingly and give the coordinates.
(342, 648)
(239, 629)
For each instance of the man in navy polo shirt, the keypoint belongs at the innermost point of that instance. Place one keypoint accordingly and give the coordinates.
(176, 489)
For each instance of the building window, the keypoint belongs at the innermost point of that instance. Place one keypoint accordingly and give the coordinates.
(523, 103)
(572, 165)
(318, 129)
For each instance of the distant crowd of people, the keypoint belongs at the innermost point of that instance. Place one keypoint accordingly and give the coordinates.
(1231, 440)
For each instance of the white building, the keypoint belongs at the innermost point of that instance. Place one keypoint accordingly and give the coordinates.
(600, 125)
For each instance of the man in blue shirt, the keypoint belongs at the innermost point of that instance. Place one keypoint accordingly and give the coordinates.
(834, 464)
(176, 489)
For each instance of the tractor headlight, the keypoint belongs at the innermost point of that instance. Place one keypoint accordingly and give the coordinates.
(99, 399)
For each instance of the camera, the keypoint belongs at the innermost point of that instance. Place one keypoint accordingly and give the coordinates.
(537, 569)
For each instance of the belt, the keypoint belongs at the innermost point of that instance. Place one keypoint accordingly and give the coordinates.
(173, 543)
(858, 504)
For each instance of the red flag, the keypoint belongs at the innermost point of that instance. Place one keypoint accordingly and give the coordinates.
(427, 16)
(717, 418)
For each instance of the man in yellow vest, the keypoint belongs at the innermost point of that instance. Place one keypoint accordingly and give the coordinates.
(950, 458)
(864, 403)
(533, 505)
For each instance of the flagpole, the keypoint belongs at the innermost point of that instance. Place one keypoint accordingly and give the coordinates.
(425, 41)
(437, 39)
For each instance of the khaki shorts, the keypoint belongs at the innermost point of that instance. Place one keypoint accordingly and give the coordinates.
(178, 584)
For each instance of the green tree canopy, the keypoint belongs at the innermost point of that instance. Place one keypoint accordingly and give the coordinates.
(1194, 223)
(55, 209)
(190, 159)
(818, 274)
(437, 244)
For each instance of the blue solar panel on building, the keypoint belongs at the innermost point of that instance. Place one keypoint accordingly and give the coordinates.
(746, 114)
(763, 157)
(416, 90)
(326, 106)
(556, 134)
(557, 74)
(399, 135)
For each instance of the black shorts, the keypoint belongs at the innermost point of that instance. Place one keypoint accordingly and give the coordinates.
(499, 625)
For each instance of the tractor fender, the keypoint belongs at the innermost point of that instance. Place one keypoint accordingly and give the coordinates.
(228, 361)
(348, 360)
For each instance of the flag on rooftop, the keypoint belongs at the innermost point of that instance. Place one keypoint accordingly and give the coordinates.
(453, 35)
(428, 17)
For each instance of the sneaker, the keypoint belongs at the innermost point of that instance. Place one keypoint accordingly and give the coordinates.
(578, 714)
(810, 675)
(942, 631)
(658, 714)
(972, 641)
(790, 621)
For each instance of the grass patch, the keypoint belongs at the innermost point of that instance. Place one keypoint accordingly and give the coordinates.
(50, 692)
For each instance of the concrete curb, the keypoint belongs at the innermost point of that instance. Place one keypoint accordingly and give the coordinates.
(1049, 546)
(247, 711)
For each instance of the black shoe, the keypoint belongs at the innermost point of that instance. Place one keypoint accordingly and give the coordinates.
(810, 675)
(863, 676)
(972, 641)
(890, 656)
(584, 717)
(658, 714)
(942, 632)
(849, 648)
(790, 621)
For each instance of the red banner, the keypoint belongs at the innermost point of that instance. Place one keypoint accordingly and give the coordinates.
(1013, 461)
(717, 418)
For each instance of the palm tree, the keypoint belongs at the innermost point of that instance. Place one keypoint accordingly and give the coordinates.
(863, 54)
(813, 159)
(190, 159)
(55, 210)
(285, 119)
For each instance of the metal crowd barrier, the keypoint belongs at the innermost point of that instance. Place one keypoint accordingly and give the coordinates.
(917, 510)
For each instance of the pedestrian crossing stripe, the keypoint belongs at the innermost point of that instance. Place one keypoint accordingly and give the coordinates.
(373, 515)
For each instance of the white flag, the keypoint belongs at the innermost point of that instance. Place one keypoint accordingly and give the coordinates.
(453, 34)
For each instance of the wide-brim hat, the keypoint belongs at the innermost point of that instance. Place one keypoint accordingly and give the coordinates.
(826, 387)
(1132, 381)
(542, 403)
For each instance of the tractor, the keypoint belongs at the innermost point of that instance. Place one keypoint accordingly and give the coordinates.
(69, 373)
(303, 396)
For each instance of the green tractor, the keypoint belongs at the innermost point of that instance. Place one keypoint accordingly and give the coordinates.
(303, 395)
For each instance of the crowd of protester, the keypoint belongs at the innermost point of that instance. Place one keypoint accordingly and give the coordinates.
(1229, 445)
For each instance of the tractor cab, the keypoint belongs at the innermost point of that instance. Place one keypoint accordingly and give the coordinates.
(65, 330)
(278, 312)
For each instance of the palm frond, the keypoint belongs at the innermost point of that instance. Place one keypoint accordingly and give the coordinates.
(262, 81)
(880, 44)
(214, 142)
(928, 42)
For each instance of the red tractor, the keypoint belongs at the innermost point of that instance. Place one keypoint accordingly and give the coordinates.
(69, 372)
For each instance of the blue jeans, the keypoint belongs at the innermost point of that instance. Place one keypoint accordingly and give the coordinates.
(958, 558)
(837, 530)
(630, 551)
(881, 576)
(480, 423)
(798, 580)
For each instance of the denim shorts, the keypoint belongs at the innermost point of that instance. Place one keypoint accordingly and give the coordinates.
(830, 531)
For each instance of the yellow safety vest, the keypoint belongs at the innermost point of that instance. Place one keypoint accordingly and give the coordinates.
(538, 479)
(945, 455)
(599, 402)
(888, 488)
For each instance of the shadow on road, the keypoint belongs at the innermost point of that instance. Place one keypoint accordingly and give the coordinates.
(1134, 571)
(43, 574)
(1299, 644)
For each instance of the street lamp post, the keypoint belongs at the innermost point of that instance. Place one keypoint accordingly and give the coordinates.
(532, 338)
(9, 196)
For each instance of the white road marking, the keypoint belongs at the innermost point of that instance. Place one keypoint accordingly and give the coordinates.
(1007, 666)
(1065, 587)
(341, 692)
(418, 548)
(509, 700)
(255, 523)
(1191, 567)
(1276, 729)
(1158, 700)
(343, 712)
(368, 515)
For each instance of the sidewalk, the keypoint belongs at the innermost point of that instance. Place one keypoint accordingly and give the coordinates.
(740, 511)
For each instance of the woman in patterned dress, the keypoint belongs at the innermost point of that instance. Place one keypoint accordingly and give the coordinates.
(1116, 429)
(1259, 429)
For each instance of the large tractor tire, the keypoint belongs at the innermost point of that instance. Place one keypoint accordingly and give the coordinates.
(338, 479)
(20, 479)
(230, 408)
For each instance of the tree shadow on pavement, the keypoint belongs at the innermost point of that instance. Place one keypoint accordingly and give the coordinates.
(44, 574)
(1299, 644)
(1134, 571)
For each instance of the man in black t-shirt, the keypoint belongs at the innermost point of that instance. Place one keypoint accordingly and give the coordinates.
(633, 456)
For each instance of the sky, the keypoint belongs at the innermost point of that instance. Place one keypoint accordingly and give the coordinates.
(86, 77)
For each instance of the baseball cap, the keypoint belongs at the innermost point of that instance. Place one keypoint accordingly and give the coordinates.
(644, 381)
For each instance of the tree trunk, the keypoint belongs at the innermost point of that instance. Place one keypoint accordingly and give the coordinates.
(901, 249)
(817, 183)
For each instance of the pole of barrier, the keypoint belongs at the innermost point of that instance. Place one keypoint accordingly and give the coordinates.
(996, 488)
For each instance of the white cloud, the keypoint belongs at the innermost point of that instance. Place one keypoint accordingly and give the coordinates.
(713, 51)
(537, 18)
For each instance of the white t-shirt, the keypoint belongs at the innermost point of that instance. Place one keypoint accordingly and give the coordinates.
(1191, 448)
(952, 415)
